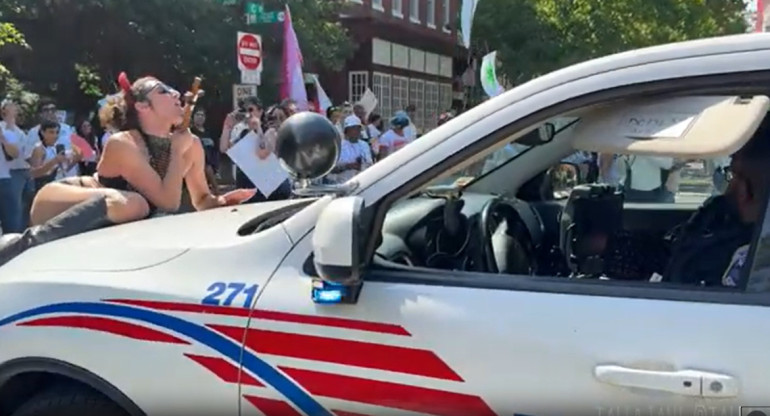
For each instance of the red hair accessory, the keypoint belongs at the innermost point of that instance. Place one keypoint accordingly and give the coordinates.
(125, 84)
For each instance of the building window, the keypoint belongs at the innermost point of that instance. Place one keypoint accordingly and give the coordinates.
(377, 5)
(381, 89)
(445, 97)
(399, 95)
(397, 8)
(447, 16)
(417, 98)
(430, 13)
(358, 82)
(414, 11)
(432, 109)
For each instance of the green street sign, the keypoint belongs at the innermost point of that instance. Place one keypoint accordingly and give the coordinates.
(255, 13)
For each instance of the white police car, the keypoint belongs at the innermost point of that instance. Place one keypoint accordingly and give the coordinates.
(395, 296)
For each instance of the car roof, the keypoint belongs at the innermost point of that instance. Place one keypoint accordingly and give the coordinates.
(638, 57)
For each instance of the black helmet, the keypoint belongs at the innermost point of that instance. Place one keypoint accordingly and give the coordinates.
(308, 145)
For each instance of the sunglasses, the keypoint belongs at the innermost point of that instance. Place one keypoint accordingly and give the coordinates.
(160, 87)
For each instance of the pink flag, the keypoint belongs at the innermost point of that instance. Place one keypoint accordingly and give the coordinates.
(293, 86)
(760, 25)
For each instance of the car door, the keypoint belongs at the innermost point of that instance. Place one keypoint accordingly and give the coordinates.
(450, 343)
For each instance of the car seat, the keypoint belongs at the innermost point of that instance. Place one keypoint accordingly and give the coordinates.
(592, 217)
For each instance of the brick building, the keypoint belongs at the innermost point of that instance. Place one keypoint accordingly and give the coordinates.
(406, 54)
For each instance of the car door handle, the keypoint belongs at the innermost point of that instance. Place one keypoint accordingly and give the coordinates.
(683, 382)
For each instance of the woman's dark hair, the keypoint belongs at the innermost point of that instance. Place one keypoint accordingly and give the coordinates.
(119, 111)
(330, 111)
(46, 125)
(250, 100)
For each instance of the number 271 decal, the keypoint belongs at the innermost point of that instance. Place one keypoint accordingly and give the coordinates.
(224, 294)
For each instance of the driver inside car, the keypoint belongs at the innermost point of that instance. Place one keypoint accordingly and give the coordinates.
(711, 248)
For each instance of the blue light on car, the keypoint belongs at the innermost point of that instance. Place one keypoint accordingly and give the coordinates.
(324, 292)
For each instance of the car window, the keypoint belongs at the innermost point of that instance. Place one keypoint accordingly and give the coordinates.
(647, 179)
(507, 153)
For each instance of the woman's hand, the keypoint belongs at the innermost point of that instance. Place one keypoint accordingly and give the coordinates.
(237, 196)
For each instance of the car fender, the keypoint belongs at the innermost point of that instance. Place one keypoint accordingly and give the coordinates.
(19, 366)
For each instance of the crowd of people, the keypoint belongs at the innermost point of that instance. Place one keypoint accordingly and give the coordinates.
(51, 166)
(365, 137)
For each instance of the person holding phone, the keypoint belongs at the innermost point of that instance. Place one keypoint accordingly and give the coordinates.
(49, 157)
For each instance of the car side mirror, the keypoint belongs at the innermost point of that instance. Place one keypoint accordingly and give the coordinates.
(338, 242)
(562, 178)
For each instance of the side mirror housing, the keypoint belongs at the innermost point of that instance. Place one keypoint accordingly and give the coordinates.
(338, 242)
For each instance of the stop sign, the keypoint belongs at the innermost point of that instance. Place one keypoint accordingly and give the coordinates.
(249, 52)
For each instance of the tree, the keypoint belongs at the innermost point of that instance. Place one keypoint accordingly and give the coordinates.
(79, 46)
(538, 36)
(10, 38)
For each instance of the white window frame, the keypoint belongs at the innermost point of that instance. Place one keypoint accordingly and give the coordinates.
(377, 5)
(430, 14)
(447, 16)
(445, 96)
(432, 104)
(399, 102)
(354, 76)
(382, 88)
(417, 98)
(414, 11)
(397, 8)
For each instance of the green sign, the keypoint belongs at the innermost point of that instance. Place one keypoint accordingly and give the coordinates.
(255, 13)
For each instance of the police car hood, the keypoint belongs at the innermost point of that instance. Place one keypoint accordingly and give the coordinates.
(143, 244)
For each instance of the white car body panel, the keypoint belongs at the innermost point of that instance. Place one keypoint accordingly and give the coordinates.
(460, 351)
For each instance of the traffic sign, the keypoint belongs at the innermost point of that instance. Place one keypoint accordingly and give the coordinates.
(255, 13)
(242, 91)
(249, 52)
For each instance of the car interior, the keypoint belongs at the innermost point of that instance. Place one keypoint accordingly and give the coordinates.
(534, 213)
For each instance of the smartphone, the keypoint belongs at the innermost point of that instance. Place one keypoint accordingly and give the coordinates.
(240, 116)
(60, 149)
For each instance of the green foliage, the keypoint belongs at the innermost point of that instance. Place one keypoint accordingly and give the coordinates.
(538, 36)
(89, 80)
(91, 41)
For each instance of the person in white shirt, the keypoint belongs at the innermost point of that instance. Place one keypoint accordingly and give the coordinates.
(236, 123)
(48, 112)
(394, 139)
(410, 130)
(16, 204)
(643, 180)
(355, 154)
(8, 152)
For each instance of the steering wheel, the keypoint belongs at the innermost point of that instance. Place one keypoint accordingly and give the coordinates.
(507, 246)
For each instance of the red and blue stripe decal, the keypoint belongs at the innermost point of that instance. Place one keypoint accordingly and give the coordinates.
(125, 318)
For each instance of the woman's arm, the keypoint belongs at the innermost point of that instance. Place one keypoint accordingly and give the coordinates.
(122, 158)
(200, 193)
(11, 149)
(39, 168)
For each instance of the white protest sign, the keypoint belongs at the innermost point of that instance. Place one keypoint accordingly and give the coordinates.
(368, 101)
(266, 174)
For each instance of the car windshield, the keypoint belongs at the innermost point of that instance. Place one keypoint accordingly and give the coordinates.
(507, 153)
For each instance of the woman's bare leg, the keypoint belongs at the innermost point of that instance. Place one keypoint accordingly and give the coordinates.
(57, 197)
